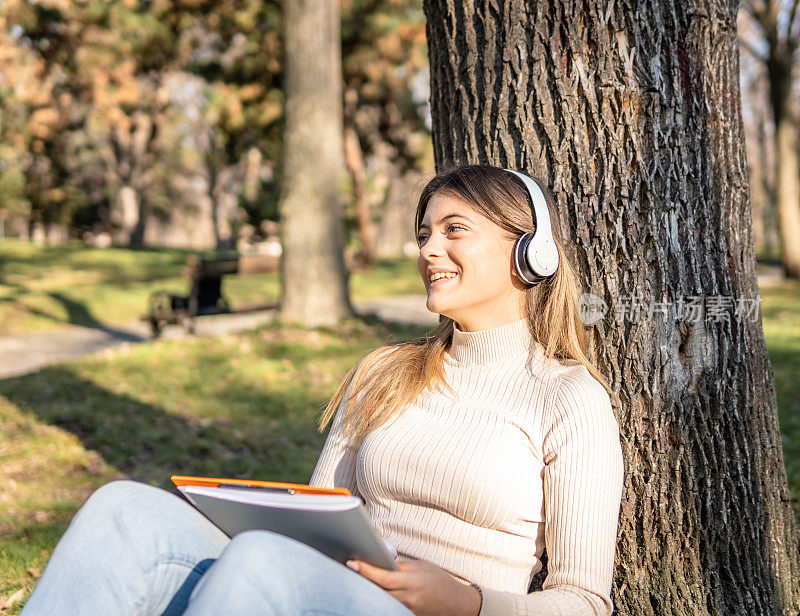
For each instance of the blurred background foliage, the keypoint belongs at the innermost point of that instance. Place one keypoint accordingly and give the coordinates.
(157, 122)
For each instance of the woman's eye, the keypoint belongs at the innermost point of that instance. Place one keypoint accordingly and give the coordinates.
(450, 229)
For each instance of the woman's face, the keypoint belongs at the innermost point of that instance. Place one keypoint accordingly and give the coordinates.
(482, 290)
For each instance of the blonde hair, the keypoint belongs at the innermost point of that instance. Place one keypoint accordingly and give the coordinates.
(392, 377)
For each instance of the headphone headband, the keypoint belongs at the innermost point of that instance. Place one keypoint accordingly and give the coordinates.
(540, 212)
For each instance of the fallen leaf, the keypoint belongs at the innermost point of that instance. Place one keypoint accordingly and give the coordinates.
(9, 600)
(35, 572)
(41, 516)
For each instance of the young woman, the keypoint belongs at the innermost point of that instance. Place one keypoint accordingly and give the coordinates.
(474, 448)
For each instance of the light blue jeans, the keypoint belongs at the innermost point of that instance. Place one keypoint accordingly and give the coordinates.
(133, 549)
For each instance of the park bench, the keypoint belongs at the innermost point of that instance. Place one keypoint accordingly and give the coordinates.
(205, 294)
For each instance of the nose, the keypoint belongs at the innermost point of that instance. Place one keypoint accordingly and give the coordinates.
(432, 247)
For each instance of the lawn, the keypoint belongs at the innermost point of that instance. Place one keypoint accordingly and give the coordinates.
(238, 405)
(781, 319)
(43, 288)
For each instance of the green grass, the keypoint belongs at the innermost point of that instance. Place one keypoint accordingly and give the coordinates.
(238, 405)
(45, 288)
(781, 319)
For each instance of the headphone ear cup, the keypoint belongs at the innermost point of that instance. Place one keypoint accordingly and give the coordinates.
(520, 260)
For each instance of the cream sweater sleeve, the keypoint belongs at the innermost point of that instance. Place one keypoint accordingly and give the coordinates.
(583, 478)
(336, 466)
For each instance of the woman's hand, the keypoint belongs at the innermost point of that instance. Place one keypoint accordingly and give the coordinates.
(423, 588)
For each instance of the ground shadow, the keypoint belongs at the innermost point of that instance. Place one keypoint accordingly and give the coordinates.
(79, 314)
(149, 444)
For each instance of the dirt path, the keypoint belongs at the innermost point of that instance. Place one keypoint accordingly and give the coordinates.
(26, 353)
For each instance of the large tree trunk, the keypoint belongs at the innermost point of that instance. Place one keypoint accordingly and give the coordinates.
(631, 113)
(314, 287)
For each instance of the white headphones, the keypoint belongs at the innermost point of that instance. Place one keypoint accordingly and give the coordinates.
(535, 254)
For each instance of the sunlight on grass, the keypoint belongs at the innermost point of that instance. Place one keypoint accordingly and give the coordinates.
(46, 474)
(238, 405)
(781, 319)
(44, 288)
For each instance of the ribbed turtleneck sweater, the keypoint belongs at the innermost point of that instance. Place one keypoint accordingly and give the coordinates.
(526, 456)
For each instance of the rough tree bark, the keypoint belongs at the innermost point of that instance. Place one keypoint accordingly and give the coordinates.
(631, 113)
(314, 289)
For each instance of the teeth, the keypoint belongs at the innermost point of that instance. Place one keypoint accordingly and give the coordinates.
(443, 275)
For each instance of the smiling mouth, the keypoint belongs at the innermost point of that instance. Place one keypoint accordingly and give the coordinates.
(442, 281)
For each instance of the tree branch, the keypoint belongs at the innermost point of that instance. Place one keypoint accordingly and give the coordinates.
(756, 8)
(752, 50)
(792, 37)
(759, 11)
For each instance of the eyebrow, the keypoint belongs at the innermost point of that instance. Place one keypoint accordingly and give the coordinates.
(449, 216)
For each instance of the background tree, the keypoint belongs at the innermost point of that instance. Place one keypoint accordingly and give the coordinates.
(314, 280)
(773, 42)
(114, 78)
(631, 114)
(387, 126)
(759, 142)
(17, 92)
(34, 40)
(235, 48)
(83, 82)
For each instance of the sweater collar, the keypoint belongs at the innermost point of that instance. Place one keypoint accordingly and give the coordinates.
(489, 345)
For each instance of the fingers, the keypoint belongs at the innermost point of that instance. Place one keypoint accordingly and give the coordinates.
(389, 580)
